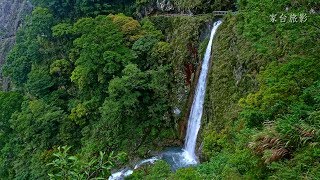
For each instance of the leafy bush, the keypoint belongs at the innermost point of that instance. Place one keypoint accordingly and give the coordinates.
(66, 166)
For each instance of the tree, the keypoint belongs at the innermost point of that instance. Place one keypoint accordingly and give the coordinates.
(9, 103)
(27, 49)
(36, 129)
(122, 115)
(66, 166)
(101, 52)
(39, 81)
(130, 28)
(98, 55)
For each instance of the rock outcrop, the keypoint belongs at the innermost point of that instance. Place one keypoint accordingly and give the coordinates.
(156, 6)
(12, 13)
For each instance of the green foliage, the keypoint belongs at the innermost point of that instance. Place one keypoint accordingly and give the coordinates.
(37, 124)
(183, 35)
(35, 129)
(9, 103)
(203, 47)
(61, 70)
(101, 53)
(232, 76)
(130, 28)
(213, 143)
(160, 54)
(28, 47)
(303, 165)
(67, 166)
(39, 81)
(262, 98)
(108, 83)
(284, 82)
(149, 29)
(276, 40)
(132, 91)
(190, 6)
(144, 45)
(185, 173)
(62, 29)
(65, 9)
(82, 74)
(238, 164)
(159, 170)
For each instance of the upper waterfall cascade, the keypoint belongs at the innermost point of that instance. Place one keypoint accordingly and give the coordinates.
(176, 157)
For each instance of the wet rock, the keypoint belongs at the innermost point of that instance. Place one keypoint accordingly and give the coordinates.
(238, 72)
(156, 6)
(165, 5)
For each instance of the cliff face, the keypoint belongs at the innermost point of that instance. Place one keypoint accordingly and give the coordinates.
(154, 6)
(12, 13)
(187, 35)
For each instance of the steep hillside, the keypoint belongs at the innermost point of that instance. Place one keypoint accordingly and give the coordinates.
(262, 106)
(12, 14)
(98, 85)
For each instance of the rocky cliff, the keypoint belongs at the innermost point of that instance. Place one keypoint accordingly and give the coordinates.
(12, 13)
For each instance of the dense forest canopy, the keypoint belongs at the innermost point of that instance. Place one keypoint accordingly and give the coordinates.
(94, 85)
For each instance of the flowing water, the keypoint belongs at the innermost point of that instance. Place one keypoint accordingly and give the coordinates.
(178, 157)
(194, 121)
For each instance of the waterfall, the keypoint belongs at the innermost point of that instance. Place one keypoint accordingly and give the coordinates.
(179, 158)
(194, 121)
